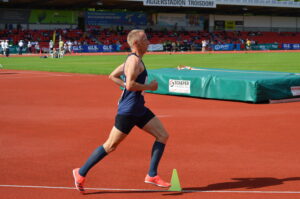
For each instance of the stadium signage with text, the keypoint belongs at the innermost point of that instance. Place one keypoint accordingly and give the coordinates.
(115, 18)
(295, 90)
(96, 48)
(291, 46)
(180, 86)
(227, 47)
(181, 3)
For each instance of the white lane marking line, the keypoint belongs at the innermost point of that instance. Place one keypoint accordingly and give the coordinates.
(153, 190)
(38, 187)
(100, 189)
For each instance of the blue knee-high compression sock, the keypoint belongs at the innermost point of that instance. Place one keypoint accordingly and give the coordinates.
(96, 156)
(157, 152)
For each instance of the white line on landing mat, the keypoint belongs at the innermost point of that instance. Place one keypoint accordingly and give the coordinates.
(152, 190)
(247, 72)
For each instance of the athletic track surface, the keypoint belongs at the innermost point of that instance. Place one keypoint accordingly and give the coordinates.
(51, 122)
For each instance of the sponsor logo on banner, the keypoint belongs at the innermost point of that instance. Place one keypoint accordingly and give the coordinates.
(107, 48)
(93, 48)
(223, 47)
(180, 86)
(296, 46)
(295, 90)
(181, 3)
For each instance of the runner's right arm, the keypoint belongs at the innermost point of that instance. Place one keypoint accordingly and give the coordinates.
(115, 76)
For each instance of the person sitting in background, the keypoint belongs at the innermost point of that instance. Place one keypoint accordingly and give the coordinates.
(54, 53)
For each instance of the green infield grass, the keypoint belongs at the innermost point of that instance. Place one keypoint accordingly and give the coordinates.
(104, 64)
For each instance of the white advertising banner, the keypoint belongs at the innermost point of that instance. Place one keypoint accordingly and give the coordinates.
(179, 86)
(181, 3)
(155, 47)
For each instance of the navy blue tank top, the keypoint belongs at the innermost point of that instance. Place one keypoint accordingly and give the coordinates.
(132, 102)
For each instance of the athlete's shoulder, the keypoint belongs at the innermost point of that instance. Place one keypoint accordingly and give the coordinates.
(133, 57)
(132, 62)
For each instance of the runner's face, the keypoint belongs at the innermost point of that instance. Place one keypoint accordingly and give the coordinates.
(144, 42)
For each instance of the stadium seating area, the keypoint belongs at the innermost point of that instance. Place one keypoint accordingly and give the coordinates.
(106, 37)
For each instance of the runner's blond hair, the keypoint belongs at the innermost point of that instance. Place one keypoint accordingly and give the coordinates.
(133, 36)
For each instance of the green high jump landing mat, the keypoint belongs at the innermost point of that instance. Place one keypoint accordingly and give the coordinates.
(224, 84)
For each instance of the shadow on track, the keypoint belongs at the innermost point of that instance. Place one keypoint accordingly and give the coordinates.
(237, 183)
(246, 183)
(7, 73)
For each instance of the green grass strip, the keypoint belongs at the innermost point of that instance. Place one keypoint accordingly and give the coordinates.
(104, 64)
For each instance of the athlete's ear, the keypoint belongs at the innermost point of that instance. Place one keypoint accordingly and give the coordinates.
(138, 40)
(135, 42)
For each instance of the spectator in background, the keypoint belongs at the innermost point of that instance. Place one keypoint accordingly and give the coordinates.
(168, 46)
(29, 47)
(20, 44)
(248, 44)
(173, 46)
(204, 45)
(51, 45)
(165, 45)
(54, 53)
(6, 48)
(69, 45)
(211, 45)
(2, 47)
(61, 50)
(66, 47)
(37, 47)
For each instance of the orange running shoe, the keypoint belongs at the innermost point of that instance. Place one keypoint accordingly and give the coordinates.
(79, 180)
(156, 180)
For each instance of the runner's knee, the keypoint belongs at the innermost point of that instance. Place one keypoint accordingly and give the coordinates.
(110, 147)
(163, 138)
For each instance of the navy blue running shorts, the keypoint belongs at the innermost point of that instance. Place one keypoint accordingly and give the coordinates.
(125, 123)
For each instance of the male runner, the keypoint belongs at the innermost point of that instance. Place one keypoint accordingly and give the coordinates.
(131, 112)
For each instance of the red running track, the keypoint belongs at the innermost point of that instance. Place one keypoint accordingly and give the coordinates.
(51, 122)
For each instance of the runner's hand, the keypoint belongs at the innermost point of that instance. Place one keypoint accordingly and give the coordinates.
(153, 85)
